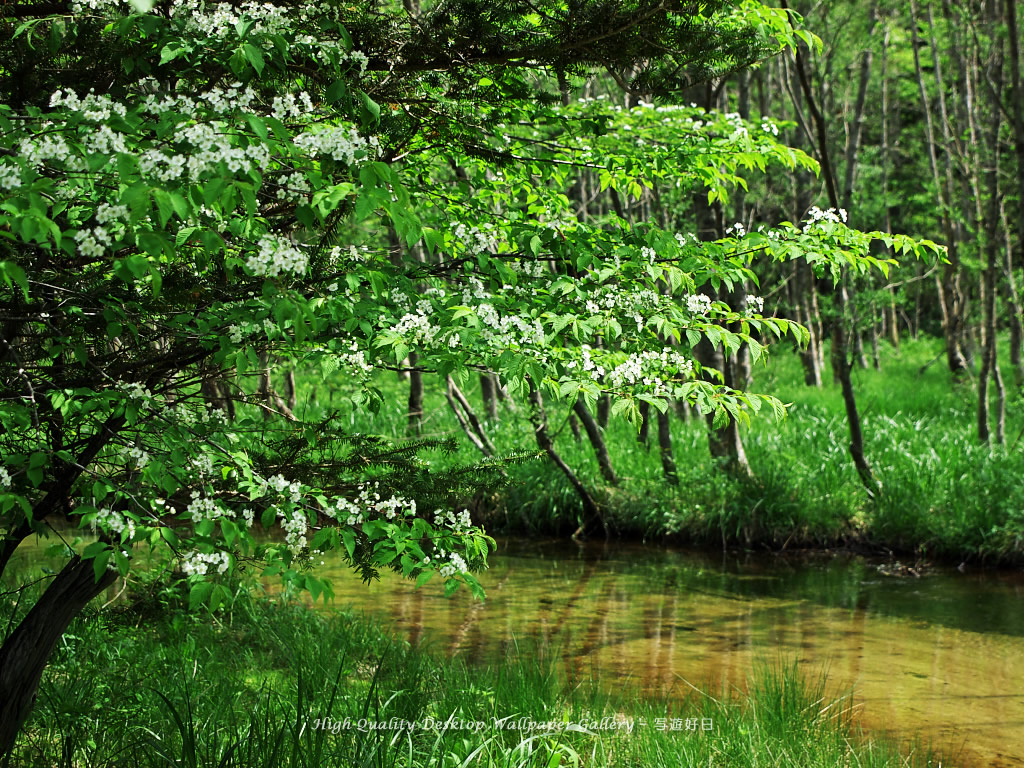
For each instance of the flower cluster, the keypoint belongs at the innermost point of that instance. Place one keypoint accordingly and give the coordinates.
(476, 239)
(698, 304)
(645, 367)
(343, 144)
(458, 522)
(295, 525)
(455, 564)
(189, 416)
(755, 303)
(355, 359)
(197, 563)
(5, 478)
(613, 301)
(368, 504)
(816, 215)
(10, 176)
(277, 254)
(204, 508)
(136, 390)
(137, 456)
(281, 485)
(112, 520)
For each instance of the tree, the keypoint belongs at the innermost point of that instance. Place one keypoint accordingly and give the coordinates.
(192, 192)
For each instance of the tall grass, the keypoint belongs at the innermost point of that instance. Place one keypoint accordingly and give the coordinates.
(251, 688)
(943, 493)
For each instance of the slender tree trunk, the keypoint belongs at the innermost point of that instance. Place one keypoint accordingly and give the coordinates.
(1013, 307)
(668, 462)
(468, 419)
(414, 409)
(810, 356)
(604, 461)
(289, 387)
(267, 392)
(840, 348)
(989, 229)
(876, 359)
(950, 294)
(1017, 119)
(591, 513)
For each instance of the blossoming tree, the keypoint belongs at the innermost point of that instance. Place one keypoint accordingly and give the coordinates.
(191, 190)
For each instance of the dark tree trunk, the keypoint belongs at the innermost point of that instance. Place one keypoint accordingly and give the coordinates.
(414, 409)
(24, 654)
(289, 387)
(988, 228)
(642, 436)
(668, 462)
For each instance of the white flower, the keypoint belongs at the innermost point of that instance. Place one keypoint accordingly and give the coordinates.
(197, 563)
(5, 478)
(698, 304)
(276, 255)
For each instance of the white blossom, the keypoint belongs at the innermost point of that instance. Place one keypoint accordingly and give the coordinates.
(698, 304)
(276, 255)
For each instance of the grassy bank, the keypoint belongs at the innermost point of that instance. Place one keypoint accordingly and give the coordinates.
(943, 494)
(143, 687)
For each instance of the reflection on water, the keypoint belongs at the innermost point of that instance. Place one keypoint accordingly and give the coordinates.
(942, 655)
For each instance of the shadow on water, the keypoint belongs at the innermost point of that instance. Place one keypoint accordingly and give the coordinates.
(940, 654)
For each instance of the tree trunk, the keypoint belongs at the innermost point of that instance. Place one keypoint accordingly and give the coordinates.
(604, 408)
(840, 348)
(414, 410)
(1017, 119)
(950, 293)
(668, 462)
(642, 436)
(604, 461)
(489, 395)
(591, 513)
(469, 422)
(989, 229)
(1013, 307)
(25, 652)
(810, 356)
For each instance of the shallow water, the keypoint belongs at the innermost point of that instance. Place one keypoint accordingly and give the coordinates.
(941, 655)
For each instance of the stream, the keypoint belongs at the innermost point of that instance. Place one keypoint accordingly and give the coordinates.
(936, 652)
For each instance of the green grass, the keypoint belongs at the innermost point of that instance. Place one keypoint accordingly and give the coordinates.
(160, 687)
(943, 493)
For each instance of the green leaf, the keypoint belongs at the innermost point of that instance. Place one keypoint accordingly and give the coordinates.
(99, 564)
(254, 56)
(199, 594)
(12, 273)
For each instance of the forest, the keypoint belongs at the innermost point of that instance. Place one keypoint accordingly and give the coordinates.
(573, 324)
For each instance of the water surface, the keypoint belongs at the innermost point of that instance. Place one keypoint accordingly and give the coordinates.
(940, 654)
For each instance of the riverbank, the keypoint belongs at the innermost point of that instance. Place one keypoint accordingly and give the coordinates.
(944, 495)
(277, 684)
